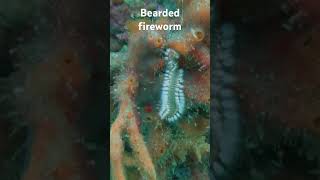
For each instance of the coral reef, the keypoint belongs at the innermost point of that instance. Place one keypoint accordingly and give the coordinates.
(160, 116)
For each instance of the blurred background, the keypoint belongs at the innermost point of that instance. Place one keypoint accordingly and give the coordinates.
(53, 95)
(53, 59)
(276, 47)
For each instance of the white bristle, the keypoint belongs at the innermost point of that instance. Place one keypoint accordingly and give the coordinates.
(172, 88)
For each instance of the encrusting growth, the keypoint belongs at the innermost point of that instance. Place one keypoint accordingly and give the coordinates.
(127, 121)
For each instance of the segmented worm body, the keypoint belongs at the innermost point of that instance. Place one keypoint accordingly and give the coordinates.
(225, 109)
(172, 102)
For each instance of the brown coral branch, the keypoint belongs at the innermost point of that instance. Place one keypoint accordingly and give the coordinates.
(140, 149)
(117, 146)
(127, 120)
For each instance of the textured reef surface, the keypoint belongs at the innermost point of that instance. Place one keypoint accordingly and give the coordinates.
(160, 83)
